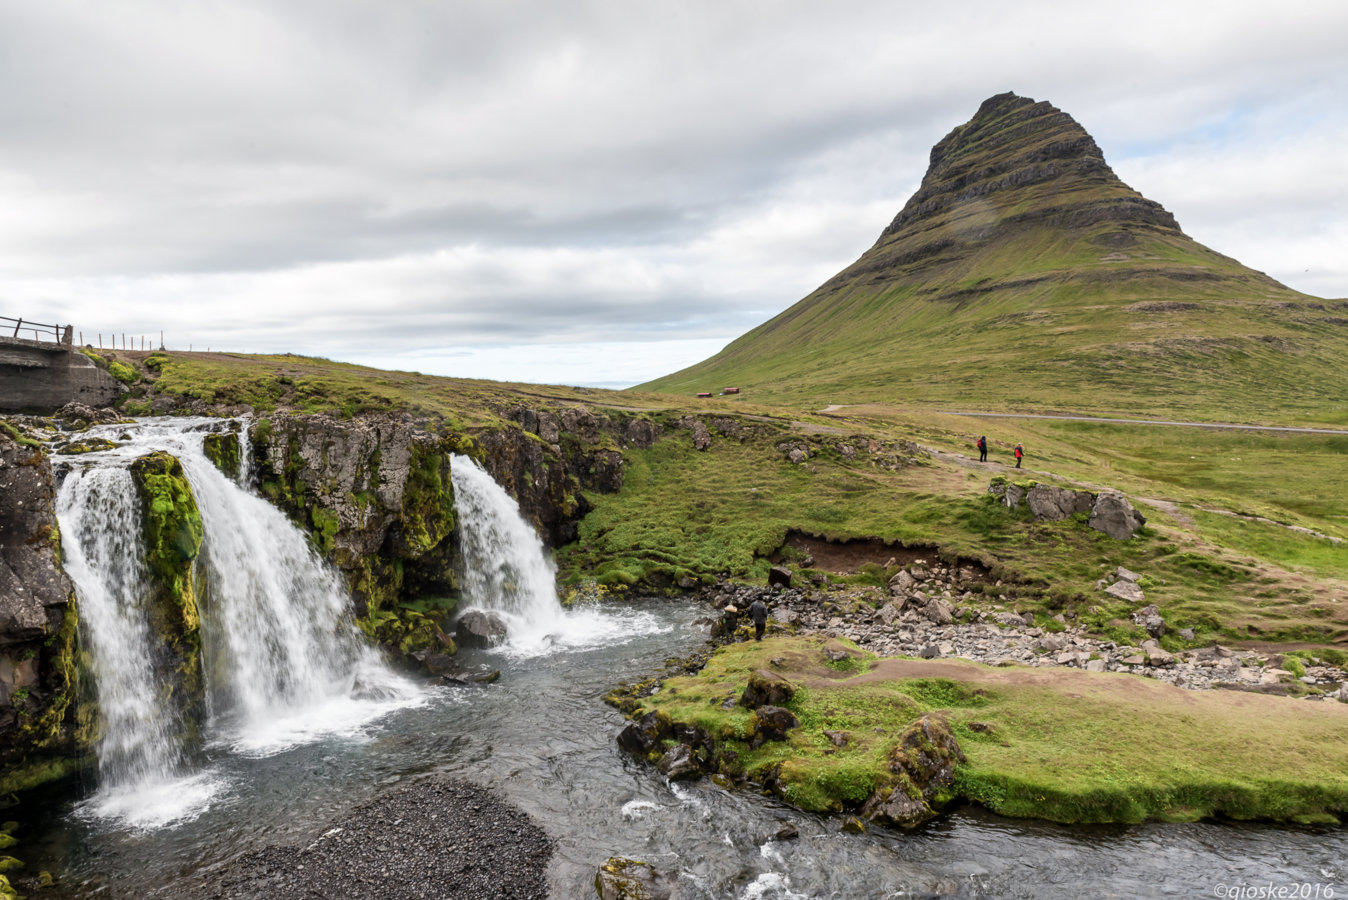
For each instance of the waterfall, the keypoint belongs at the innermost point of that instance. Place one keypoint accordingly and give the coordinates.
(283, 663)
(506, 570)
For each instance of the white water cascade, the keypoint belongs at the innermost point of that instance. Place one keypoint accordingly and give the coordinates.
(283, 663)
(508, 572)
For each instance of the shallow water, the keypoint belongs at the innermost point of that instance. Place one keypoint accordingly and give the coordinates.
(543, 738)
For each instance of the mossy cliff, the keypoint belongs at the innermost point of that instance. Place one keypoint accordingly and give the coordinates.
(375, 494)
(172, 531)
(42, 732)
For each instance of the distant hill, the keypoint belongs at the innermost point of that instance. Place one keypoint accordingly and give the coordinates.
(1024, 274)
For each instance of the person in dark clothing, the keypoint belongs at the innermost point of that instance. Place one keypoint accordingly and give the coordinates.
(759, 613)
(1020, 454)
(983, 449)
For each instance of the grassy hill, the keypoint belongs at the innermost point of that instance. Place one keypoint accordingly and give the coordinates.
(1024, 275)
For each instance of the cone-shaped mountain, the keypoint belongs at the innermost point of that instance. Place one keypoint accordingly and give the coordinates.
(1023, 273)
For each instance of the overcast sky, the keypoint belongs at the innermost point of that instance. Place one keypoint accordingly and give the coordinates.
(597, 192)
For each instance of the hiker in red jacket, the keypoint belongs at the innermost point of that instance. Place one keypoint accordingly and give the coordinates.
(983, 449)
(1020, 454)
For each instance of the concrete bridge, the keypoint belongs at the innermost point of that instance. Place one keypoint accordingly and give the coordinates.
(44, 373)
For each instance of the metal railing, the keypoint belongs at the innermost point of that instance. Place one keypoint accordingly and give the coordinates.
(61, 334)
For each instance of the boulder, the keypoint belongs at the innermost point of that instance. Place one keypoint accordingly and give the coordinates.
(1149, 617)
(1123, 574)
(891, 611)
(779, 576)
(679, 762)
(479, 628)
(939, 612)
(645, 734)
(902, 582)
(766, 689)
(924, 760)
(1115, 516)
(628, 879)
(1126, 591)
(1157, 656)
(701, 436)
(770, 723)
(1049, 502)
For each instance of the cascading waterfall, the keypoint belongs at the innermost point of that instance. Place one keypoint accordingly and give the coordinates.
(508, 572)
(283, 663)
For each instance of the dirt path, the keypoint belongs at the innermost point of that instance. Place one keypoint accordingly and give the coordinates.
(1217, 426)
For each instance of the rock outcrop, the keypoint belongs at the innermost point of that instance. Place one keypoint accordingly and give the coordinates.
(39, 731)
(1110, 511)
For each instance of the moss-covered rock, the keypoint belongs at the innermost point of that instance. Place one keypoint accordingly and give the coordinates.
(222, 448)
(173, 534)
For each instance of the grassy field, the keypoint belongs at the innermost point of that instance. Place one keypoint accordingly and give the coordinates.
(1055, 744)
(1218, 553)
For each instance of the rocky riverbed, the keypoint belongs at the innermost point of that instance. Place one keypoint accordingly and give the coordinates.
(929, 611)
(432, 838)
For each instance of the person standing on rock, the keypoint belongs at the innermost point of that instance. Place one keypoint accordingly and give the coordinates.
(983, 448)
(758, 611)
(1020, 454)
(729, 618)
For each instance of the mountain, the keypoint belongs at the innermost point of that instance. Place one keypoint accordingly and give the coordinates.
(1024, 274)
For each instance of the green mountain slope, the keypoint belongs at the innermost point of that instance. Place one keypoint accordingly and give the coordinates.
(1025, 275)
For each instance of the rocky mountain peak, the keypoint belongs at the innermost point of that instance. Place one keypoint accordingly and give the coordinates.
(1019, 159)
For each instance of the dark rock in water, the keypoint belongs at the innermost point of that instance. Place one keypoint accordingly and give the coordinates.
(646, 734)
(787, 832)
(462, 677)
(770, 723)
(924, 761)
(766, 689)
(679, 762)
(437, 663)
(628, 879)
(477, 628)
(779, 575)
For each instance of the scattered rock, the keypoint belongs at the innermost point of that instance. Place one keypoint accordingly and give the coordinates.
(779, 576)
(1126, 591)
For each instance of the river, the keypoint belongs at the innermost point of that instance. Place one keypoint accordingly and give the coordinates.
(544, 739)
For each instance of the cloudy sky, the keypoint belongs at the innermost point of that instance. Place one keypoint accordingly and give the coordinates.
(597, 192)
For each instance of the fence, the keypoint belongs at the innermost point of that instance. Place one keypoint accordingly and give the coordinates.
(60, 334)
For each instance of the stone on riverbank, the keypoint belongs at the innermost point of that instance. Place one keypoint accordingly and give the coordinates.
(477, 628)
(629, 879)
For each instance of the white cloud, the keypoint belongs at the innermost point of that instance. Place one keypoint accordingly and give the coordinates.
(349, 178)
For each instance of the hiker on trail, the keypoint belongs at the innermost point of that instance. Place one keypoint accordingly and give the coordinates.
(759, 613)
(983, 449)
(1020, 454)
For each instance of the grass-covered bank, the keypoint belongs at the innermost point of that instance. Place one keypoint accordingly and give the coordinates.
(1056, 744)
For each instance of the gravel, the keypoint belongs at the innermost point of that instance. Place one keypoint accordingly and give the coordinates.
(435, 838)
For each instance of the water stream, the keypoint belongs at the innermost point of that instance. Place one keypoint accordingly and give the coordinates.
(543, 738)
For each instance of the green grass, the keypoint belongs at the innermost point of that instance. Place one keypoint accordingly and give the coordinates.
(1063, 745)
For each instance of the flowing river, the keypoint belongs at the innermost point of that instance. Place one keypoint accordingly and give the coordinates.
(542, 737)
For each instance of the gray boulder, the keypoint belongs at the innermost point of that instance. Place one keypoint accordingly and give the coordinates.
(766, 689)
(1115, 516)
(478, 628)
(1054, 503)
(679, 762)
(1126, 591)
